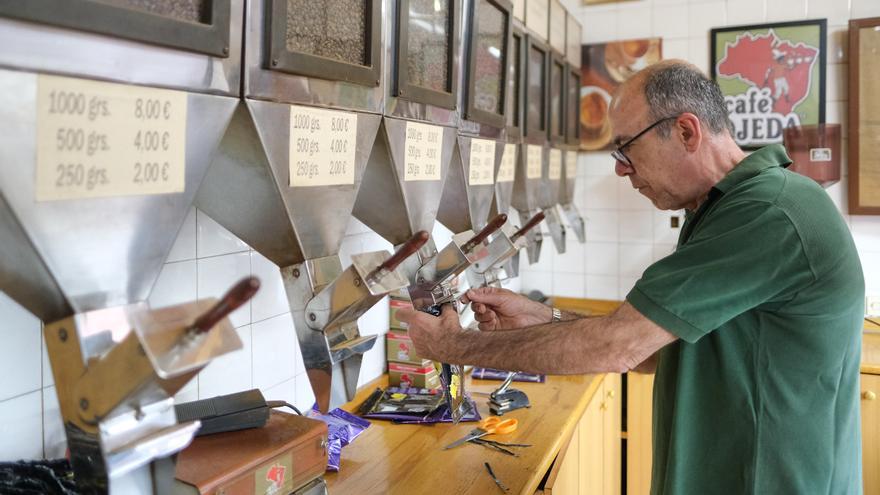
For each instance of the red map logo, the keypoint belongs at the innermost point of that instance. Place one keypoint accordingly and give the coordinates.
(276, 475)
(780, 74)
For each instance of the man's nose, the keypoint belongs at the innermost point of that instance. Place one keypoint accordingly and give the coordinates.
(622, 169)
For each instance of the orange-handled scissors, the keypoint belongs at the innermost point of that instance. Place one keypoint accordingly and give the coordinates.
(489, 426)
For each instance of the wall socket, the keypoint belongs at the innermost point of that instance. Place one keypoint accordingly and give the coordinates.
(872, 305)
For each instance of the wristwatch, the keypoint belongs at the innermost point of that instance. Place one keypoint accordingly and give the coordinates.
(555, 315)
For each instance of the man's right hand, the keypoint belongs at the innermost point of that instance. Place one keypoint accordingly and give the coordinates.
(502, 309)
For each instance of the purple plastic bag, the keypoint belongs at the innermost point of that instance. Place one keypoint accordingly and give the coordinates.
(342, 428)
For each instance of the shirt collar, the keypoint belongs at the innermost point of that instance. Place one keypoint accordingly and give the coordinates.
(770, 156)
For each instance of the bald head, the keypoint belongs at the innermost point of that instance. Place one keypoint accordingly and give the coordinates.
(670, 88)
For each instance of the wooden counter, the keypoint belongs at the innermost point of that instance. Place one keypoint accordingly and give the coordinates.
(407, 459)
(871, 349)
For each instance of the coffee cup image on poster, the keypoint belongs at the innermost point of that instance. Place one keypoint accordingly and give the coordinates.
(772, 77)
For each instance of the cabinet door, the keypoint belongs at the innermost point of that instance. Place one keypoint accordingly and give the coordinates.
(565, 475)
(639, 397)
(591, 445)
(611, 434)
(871, 433)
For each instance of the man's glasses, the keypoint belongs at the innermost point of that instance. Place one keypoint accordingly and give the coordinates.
(618, 153)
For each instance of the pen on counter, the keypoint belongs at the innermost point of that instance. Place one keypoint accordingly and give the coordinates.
(495, 478)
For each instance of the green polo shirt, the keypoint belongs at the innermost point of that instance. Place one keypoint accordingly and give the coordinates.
(765, 291)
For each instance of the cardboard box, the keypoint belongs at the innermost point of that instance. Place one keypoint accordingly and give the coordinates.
(399, 348)
(408, 375)
(397, 304)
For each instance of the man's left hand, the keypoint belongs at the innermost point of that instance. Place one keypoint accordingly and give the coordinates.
(434, 337)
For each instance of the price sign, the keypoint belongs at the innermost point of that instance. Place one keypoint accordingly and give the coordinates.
(97, 139)
(482, 166)
(554, 171)
(534, 158)
(537, 17)
(571, 164)
(322, 147)
(508, 164)
(422, 145)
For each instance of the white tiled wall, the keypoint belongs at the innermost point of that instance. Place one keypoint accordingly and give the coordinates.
(624, 232)
(205, 261)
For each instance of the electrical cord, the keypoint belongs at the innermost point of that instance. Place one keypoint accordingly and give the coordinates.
(274, 404)
(871, 320)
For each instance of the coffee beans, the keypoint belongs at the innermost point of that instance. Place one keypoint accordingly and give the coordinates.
(334, 29)
(489, 72)
(427, 50)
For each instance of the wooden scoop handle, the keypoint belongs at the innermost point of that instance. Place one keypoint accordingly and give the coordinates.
(405, 251)
(491, 227)
(232, 300)
(535, 220)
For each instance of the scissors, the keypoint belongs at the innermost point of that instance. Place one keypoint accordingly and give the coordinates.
(489, 426)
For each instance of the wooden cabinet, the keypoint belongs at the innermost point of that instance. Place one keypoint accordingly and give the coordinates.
(870, 390)
(590, 463)
(639, 396)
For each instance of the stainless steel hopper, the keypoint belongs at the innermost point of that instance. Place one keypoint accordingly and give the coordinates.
(81, 248)
(566, 196)
(300, 228)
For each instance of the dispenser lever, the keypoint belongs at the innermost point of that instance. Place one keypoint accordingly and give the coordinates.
(232, 300)
(535, 220)
(405, 251)
(491, 227)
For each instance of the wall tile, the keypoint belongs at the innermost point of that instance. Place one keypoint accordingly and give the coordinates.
(189, 392)
(636, 226)
(271, 299)
(634, 21)
(704, 16)
(836, 112)
(54, 437)
(866, 232)
(670, 21)
(285, 391)
(837, 76)
(21, 427)
(218, 274)
(836, 11)
(540, 281)
(626, 285)
(601, 192)
(698, 52)
(598, 163)
(865, 8)
(212, 239)
(786, 10)
(569, 285)
(675, 48)
(662, 250)
(741, 12)
(602, 287)
(548, 253)
(20, 354)
(602, 258)
(601, 225)
(572, 261)
(176, 285)
(229, 373)
(305, 397)
(184, 247)
(871, 268)
(838, 194)
(634, 258)
(275, 351)
(838, 44)
(663, 231)
(599, 26)
(48, 377)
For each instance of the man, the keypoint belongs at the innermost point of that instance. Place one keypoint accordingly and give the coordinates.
(753, 324)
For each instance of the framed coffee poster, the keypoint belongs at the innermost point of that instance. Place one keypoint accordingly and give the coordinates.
(864, 109)
(772, 77)
(604, 66)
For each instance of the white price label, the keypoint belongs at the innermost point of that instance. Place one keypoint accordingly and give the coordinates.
(571, 164)
(482, 166)
(537, 17)
(534, 157)
(322, 147)
(97, 139)
(508, 164)
(423, 143)
(554, 171)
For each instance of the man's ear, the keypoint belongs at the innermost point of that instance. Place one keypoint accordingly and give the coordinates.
(687, 128)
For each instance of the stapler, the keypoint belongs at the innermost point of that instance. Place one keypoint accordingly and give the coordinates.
(505, 399)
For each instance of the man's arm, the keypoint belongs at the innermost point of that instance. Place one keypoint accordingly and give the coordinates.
(615, 343)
